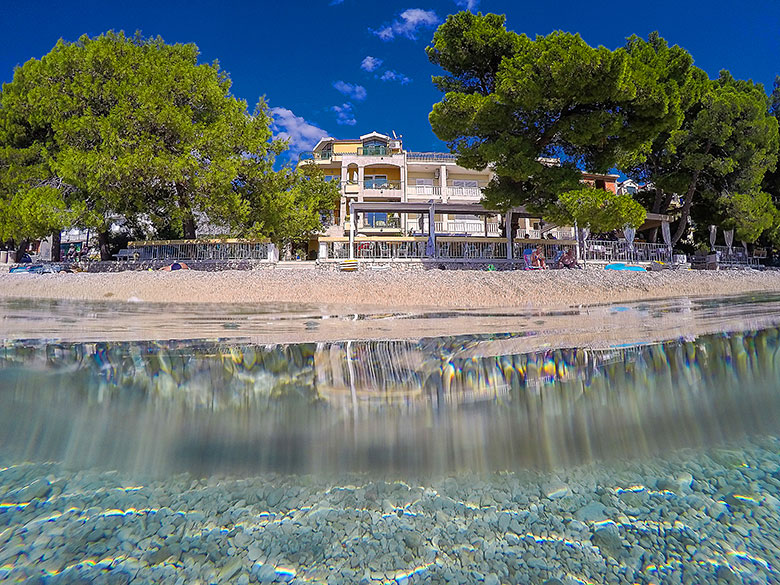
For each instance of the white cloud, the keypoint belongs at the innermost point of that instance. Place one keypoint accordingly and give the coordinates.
(409, 21)
(301, 134)
(356, 92)
(391, 75)
(344, 114)
(467, 4)
(370, 64)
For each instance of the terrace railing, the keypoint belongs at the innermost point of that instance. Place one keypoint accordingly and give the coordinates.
(470, 248)
(376, 249)
(553, 249)
(431, 156)
(612, 251)
(198, 250)
(737, 258)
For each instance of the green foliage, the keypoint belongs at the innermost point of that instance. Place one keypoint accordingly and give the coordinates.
(517, 103)
(726, 144)
(288, 206)
(673, 85)
(750, 214)
(136, 129)
(601, 210)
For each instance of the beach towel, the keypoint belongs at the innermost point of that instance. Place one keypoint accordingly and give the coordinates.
(624, 267)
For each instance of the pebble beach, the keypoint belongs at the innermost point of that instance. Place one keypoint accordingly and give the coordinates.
(461, 289)
(693, 517)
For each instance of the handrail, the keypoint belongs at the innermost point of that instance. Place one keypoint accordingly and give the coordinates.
(431, 156)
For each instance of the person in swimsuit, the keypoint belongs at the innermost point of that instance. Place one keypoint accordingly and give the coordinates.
(537, 258)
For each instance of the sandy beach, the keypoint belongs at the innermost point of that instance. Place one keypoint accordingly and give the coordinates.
(390, 290)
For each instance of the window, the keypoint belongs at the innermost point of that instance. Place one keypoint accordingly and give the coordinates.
(376, 219)
(601, 184)
(631, 190)
(374, 147)
(464, 187)
(375, 181)
(424, 186)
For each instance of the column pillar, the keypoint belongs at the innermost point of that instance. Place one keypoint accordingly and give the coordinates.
(361, 187)
(403, 195)
(432, 227)
(443, 183)
(351, 231)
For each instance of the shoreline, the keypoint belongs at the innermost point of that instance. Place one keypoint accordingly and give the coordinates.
(435, 289)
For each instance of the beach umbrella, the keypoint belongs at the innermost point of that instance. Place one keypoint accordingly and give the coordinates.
(430, 247)
(713, 236)
(630, 233)
(729, 237)
(667, 235)
(584, 233)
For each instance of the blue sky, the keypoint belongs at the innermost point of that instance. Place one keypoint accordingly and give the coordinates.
(346, 67)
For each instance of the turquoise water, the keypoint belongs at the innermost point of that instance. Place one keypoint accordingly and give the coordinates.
(615, 444)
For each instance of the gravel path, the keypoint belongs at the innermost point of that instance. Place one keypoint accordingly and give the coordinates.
(390, 289)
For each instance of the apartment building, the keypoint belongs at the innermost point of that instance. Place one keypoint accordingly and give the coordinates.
(375, 167)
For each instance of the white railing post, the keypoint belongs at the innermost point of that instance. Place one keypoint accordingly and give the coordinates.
(509, 235)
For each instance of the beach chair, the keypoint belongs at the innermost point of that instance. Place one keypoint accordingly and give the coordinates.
(557, 259)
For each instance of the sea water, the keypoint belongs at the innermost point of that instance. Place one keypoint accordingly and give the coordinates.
(611, 444)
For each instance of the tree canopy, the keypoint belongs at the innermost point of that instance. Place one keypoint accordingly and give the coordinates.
(542, 110)
(601, 210)
(128, 127)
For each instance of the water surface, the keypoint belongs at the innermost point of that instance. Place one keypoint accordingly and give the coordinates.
(631, 443)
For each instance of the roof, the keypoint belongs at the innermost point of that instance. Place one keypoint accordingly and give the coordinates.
(375, 134)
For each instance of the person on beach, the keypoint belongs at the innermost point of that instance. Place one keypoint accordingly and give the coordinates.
(568, 260)
(537, 258)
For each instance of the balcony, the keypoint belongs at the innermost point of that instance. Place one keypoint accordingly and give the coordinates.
(374, 151)
(434, 191)
(470, 227)
(378, 185)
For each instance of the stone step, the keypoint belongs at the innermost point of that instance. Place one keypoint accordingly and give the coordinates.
(296, 265)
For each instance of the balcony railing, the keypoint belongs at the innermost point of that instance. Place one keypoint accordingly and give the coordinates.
(431, 156)
(466, 227)
(380, 185)
(374, 151)
(436, 191)
(360, 151)
(198, 250)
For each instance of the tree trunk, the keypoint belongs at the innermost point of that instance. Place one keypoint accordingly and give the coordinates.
(686, 210)
(21, 249)
(188, 225)
(105, 250)
(659, 195)
(56, 240)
